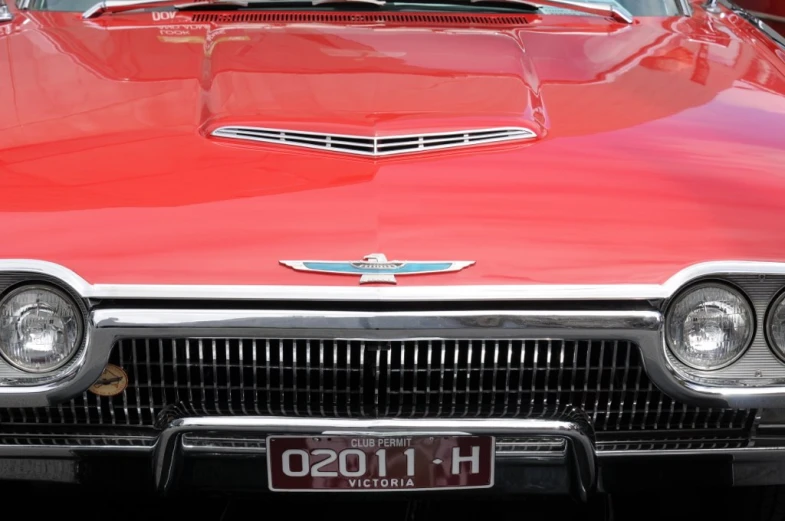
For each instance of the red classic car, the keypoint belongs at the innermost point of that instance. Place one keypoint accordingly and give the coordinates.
(348, 245)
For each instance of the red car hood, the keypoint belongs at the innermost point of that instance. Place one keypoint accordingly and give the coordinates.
(660, 146)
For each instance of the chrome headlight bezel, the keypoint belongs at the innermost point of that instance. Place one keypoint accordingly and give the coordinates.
(713, 284)
(78, 312)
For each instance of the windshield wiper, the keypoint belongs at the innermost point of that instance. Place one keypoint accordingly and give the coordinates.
(119, 6)
(613, 10)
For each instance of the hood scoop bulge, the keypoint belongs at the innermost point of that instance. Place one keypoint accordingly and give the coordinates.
(376, 146)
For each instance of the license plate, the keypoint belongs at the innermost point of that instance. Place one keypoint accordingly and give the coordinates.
(379, 464)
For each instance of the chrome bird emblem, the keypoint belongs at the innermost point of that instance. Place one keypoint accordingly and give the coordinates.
(376, 268)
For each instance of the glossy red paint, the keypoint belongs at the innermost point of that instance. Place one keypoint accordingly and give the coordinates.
(662, 146)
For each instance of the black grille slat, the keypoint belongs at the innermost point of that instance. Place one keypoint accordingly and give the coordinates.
(371, 378)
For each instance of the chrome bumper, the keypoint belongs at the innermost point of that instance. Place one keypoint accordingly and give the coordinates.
(560, 456)
(578, 456)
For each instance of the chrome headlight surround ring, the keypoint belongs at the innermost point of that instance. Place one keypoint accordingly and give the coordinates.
(80, 313)
(719, 284)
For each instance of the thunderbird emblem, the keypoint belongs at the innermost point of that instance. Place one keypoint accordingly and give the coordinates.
(376, 268)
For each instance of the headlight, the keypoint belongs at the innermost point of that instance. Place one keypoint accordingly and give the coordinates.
(709, 326)
(40, 328)
(775, 326)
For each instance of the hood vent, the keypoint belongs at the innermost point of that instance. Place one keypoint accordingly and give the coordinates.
(376, 146)
(436, 19)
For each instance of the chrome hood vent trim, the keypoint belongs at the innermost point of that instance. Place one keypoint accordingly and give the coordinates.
(376, 146)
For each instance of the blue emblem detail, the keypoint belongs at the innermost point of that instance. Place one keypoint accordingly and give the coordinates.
(376, 267)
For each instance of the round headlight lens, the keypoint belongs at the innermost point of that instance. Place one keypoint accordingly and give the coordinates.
(709, 326)
(775, 325)
(40, 328)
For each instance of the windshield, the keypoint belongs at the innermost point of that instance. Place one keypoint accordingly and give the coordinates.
(635, 7)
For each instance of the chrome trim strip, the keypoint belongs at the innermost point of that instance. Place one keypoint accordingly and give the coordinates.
(767, 16)
(223, 445)
(528, 455)
(391, 294)
(359, 323)
(65, 451)
(394, 293)
(746, 451)
(526, 448)
(221, 450)
(534, 443)
(32, 451)
(48, 269)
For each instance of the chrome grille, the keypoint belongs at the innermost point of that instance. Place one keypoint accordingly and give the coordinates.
(402, 378)
(65, 437)
(687, 442)
(375, 146)
(518, 446)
